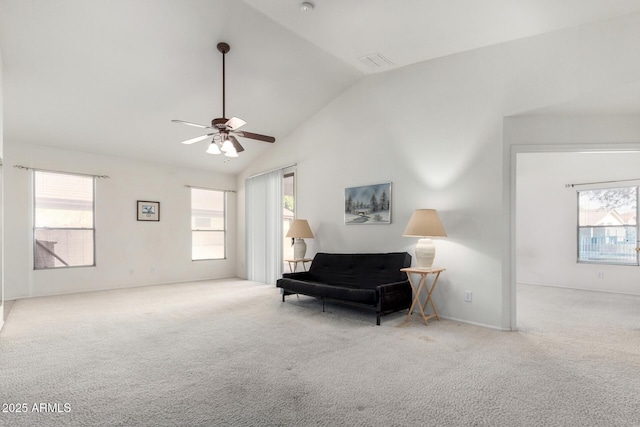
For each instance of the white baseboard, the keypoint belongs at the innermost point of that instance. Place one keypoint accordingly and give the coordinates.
(576, 289)
(483, 325)
(115, 288)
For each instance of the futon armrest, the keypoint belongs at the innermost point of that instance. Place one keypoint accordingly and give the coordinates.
(392, 287)
(394, 296)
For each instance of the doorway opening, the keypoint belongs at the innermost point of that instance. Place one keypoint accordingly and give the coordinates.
(545, 233)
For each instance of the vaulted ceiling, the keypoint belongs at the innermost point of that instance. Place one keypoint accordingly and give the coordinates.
(107, 76)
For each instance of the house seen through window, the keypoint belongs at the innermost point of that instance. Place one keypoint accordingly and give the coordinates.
(208, 224)
(607, 226)
(64, 230)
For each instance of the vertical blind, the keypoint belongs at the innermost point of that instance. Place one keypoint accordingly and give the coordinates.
(264, 227)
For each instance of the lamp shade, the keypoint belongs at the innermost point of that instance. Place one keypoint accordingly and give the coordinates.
(425, 223)
(231, 153)
(227, 145)
(213, 148)
(300, 229)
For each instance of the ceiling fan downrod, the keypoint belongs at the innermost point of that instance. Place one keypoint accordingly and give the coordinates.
(223, 48)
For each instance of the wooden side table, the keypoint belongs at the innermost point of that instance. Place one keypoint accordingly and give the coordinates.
(295, 262)
(423, 272)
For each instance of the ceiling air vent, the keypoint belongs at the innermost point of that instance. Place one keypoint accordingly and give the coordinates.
(375, 61)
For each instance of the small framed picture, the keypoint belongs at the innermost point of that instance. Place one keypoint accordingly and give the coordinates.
(369, 204)
(148, 211)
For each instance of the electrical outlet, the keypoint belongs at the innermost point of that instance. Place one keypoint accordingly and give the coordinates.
(153, 270)
(468, 296)
(600, 274)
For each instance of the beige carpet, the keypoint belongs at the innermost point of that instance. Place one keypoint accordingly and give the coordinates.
(230, 353)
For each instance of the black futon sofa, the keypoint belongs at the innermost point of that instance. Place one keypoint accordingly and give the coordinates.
(367, 280)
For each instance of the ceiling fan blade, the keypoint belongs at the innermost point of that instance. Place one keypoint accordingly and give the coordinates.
(235, 123)
(257, 136)
(236, 144)
(192, 124)
(198, 138)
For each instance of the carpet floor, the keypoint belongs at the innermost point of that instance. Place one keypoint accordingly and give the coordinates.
(230, 353)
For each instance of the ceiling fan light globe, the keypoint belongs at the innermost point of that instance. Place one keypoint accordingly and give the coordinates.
(213, 148)
(227, 146)
(231, 153)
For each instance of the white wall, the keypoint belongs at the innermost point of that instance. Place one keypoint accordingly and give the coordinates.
(127, 251)
(371, 135)
(435, 130)
(546, 210)
(1, 201)
(1, 109)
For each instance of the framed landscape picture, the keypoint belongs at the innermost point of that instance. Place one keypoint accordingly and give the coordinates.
(368, 204)
(148, 211)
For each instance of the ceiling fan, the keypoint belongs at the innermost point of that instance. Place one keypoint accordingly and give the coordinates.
(225, 130)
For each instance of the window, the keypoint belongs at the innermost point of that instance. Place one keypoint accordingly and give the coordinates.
(208, 224)
(607, 227)
(64, 232)
(288, 214)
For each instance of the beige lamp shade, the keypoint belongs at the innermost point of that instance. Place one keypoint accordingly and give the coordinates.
(300, 229)
(425, 223)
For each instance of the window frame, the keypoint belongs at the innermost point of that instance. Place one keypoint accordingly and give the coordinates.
(287, 247)
(608, 261)
(93, 217)
(224, 223)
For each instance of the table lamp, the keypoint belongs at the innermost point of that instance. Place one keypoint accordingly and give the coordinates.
(425, 223)
(299, 230)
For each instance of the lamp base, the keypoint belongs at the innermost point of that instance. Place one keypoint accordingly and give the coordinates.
(299, 249)
(425, 253)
